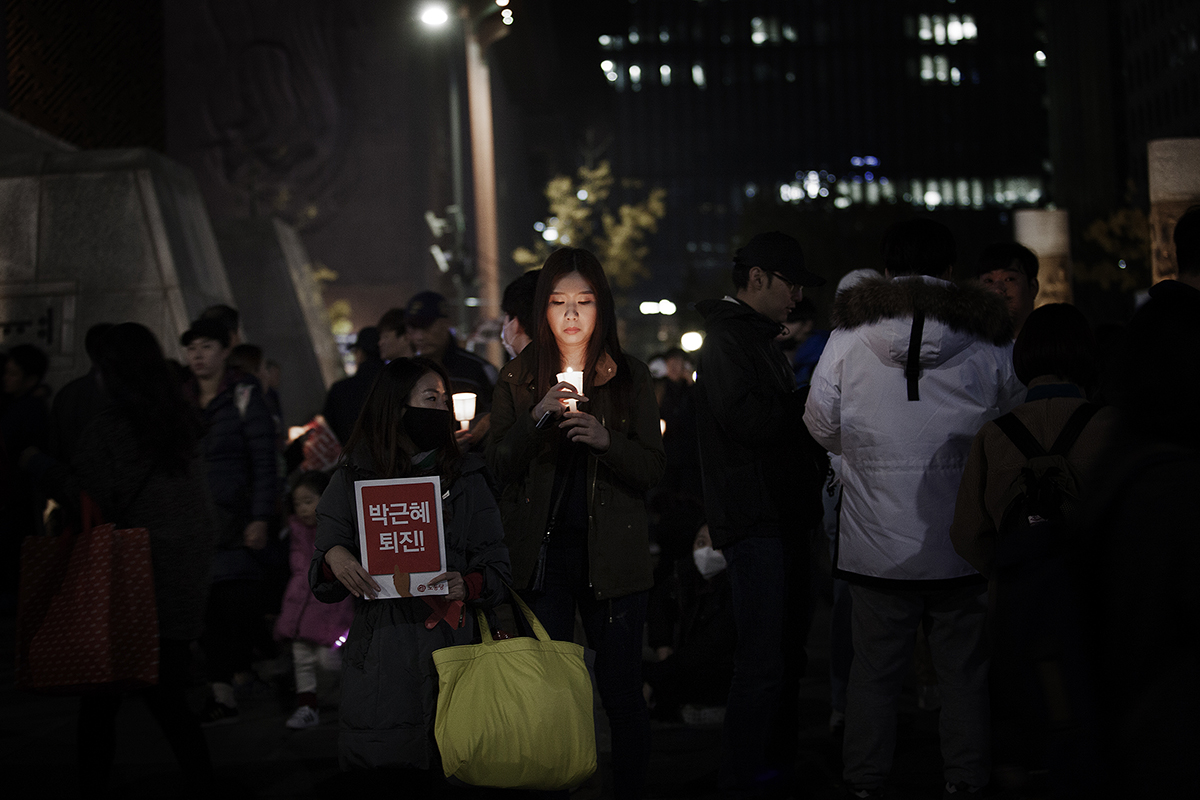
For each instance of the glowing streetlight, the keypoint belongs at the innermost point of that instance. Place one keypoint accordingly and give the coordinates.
(435, 15)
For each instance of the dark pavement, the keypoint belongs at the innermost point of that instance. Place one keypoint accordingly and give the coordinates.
(257, 757)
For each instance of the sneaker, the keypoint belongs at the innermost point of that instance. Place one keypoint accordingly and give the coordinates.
(867, 794)
(215, 713)
(304, 717)
(961, 790)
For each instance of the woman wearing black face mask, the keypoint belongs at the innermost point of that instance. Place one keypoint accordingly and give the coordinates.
(388, 676)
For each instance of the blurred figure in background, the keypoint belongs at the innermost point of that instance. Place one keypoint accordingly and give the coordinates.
(393, 336)
(79, 401)
(1011, 271)
(346, 397)
(517, 304)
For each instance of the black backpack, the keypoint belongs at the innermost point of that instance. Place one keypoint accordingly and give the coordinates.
(1043, 495)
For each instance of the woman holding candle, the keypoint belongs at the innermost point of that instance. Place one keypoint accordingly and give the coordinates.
(576, 524)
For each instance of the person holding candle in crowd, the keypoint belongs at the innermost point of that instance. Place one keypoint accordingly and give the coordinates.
(389, 680)
(578, 535)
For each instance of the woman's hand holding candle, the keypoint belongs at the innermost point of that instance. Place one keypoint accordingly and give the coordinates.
(583, 427)
(555, 400)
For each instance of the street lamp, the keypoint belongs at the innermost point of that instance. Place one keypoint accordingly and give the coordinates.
(480, 28)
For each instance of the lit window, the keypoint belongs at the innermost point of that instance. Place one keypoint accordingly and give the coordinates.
(789, 33)
(941, 66)
(916, 190)
(635, 73)
(634, 37)
(751, 190)
(947, 190)
(969, 31)
(871, 161)
(976, 193)
(926, 69)
(939, 30)
(664, 75)
(842, 202)
(698, 76)
(872, 194)
(606, 66)
(664, 35)
(962, 191)
(1040, 58)
(856, 161)
(954, 29)
(924, 27)
(758, 31)
(955, 76)
(605, 40)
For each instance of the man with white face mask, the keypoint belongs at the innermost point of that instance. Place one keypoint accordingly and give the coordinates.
(692, 632)
(517, 304)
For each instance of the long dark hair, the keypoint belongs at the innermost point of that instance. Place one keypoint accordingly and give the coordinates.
(146, 391)
(379, 429)
(562, 262)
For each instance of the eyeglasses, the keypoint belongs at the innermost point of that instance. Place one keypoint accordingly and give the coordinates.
(791, 286)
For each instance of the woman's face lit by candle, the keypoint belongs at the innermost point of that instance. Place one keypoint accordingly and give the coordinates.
(572, 312)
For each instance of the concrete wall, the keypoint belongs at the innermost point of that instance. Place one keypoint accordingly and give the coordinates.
(281, 309)
(101, 236)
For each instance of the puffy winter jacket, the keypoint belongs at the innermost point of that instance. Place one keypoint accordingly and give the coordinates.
(904, 438)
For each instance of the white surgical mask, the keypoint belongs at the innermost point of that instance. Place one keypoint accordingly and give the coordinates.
(710, 562)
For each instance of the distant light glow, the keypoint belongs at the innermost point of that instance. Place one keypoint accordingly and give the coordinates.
(871, 161)
(664, 75)
(435, 15)
(926, 27)
(605, 40)
(1121, 264)
(1040, 58)
(666, 307)
(506, 16)
(939, 30)
(969, 31)
(751, 190)
(606, 65)
(582, 194)
(691, 341)
(933, 198)
(635, 73)
(842, 202)
(954, 29)
(502, 3)
(758, 37)
(634, 37)
(823, 192)
(539, 226)
(550, 234)
(664, 35)
(698, 75)
(472, 302)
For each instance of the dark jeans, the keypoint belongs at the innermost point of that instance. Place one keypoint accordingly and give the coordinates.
(168, 704)
(233, 627)
(614, 630)
(772, 604)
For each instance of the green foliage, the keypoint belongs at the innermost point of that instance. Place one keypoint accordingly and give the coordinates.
(581, 212)
(1122, 236)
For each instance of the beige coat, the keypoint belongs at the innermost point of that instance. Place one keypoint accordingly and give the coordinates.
(995, 462)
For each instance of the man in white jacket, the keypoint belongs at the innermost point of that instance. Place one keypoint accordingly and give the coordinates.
(915, 366)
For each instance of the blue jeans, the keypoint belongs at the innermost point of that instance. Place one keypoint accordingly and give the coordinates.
(614, 630)
(772, 607)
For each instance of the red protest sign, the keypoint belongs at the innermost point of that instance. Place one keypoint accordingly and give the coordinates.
(400, 531)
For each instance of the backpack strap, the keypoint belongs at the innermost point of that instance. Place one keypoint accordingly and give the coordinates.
(912, 367)
(1075, 425)
(1016, 431)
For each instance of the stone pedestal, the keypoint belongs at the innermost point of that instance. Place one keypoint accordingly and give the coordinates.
(281, 310)
(1046, 233)
(101, 236)
(1174, 188)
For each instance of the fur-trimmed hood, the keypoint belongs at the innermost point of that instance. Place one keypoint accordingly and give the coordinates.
(956, 317)
(965, 308)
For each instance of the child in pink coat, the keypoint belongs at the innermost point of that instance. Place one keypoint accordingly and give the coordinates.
(316, 629)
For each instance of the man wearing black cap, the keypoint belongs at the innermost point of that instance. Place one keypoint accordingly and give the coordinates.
(761, 495)
(428, 318)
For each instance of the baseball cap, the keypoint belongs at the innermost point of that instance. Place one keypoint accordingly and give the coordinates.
(780, 253)
(424, 308)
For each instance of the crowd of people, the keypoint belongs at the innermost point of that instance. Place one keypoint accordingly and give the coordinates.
(1003, 503)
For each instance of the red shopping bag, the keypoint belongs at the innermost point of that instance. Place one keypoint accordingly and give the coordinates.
(321, 447)
(86, 615)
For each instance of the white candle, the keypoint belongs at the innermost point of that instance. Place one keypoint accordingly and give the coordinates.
(575, 378)
(464, 407)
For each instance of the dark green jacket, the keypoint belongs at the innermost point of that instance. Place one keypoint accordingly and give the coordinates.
(523, 461)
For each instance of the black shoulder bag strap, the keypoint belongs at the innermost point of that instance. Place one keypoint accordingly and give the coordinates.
(912, 367)
(1016, 431)
(1075, 425)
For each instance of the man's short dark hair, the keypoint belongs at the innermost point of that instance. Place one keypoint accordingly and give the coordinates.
(393, 320)
(518, 300)
(919, 246)
(1010, 256)
(246, 358)
(1056, 339)
(93, 338)
(31, 360)
(210, 328)
(227, 316)
(1187, 241)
